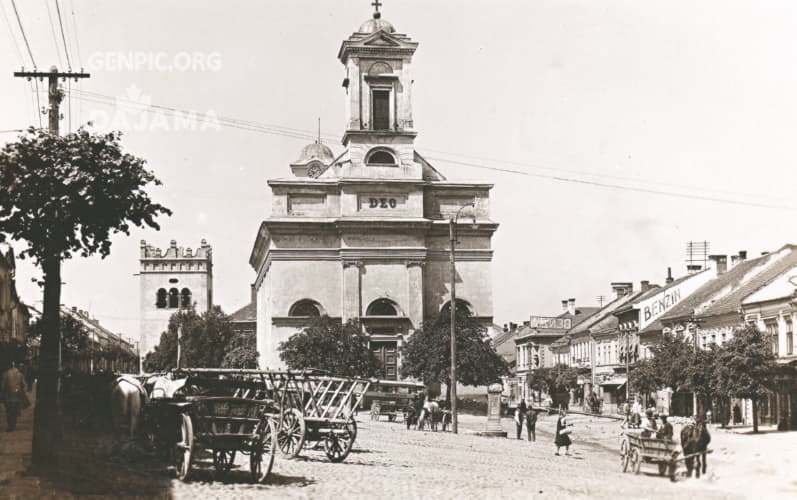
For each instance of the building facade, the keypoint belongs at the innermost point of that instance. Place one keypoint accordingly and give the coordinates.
(170, 280)
(14, 314)
(364, 235)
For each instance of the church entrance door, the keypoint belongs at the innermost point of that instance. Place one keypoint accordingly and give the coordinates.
(386, 352)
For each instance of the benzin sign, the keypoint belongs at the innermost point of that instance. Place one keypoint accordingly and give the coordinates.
(549, 322)
(661, 304)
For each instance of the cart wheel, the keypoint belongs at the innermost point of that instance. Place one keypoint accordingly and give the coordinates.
(292, 432)
(223, 460)
(636, 460)
(338, 446)
(624, 455)
(183, 449)
(262, 458)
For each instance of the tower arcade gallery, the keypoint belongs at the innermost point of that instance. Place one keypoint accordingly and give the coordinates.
(365, 234)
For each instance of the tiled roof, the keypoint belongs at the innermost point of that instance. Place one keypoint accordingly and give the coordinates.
(732, 301)
(247, 313)
(599, 319)
(726, 282)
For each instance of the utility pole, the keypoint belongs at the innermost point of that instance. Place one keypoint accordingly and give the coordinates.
(453, 382)
(46, 417)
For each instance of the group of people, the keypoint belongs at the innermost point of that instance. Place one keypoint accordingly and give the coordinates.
(524, 413)
(648, 425)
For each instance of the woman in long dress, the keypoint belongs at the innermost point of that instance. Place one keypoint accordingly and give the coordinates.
(562, 437)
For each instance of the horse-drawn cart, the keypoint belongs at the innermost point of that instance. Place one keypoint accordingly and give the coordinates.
(664, 453)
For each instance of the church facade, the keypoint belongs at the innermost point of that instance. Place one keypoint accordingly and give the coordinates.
(365, 234)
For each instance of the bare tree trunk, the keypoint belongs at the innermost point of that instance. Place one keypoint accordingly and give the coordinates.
(46, 421)
(755, 415)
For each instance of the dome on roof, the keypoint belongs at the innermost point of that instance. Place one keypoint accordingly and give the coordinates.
(315, 151)
(375, 24)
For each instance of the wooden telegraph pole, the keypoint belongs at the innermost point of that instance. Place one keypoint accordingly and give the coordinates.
(46, 421)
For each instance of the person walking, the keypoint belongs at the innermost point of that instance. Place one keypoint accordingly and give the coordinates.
(12, 393)
(562, 437)
(520, 416)
(531, 424)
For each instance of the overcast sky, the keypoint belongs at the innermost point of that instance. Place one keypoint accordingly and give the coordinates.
(691, 97)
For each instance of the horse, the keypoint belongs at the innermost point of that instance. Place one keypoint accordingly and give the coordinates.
(431, 411)
(128, 398)
(695, 439)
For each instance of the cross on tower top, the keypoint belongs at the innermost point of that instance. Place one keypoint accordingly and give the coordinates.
(376, 4)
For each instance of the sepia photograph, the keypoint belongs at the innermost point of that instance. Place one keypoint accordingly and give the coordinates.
(429, 248)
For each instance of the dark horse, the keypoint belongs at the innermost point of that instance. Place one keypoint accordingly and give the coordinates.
(695, 439)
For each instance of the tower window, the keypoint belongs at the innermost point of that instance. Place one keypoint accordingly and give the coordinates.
(381, 107)
(381, 157)
(174, 298)
(185, 298)
(382, 307)
(160, 300)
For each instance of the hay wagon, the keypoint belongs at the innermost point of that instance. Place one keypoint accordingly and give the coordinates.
(664, 453)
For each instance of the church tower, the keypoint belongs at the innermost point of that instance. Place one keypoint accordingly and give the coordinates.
(364, 234)
(171, 280)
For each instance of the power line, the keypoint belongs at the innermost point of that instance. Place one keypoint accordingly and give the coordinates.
(11, 35)
(75, 32)
(52, 30)
(63, 35)
(24, 37)
(305, 134)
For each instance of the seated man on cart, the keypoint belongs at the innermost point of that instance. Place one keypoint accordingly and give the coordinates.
(649, 428)
(665, 431)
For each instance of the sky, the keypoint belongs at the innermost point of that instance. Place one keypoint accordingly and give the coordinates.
(694, 98)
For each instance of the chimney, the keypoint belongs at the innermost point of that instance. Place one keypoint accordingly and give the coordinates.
(719, 262)
(74, 308)
(669, 276)
(644, 286)
(252, 293)
(506, 327)
(526, 323)
(571, 306)
(622, 288)
(564, 305)
(742, 255)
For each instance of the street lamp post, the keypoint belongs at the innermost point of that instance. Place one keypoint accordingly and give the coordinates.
(453, 307)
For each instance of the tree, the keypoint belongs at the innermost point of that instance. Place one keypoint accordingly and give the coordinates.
(700, 375)
(746, 367)
(66, 195)
(670, 358)
(205, 341)
(332, 346)
(427, 353)
(242, 350)
(645, 377)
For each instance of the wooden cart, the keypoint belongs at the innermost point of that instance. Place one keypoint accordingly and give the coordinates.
(222, 425)
(664, 453)
(307, 407)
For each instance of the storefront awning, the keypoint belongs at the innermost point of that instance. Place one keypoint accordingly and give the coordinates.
(618, 381)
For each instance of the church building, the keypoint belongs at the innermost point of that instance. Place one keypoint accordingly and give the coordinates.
(365, 234)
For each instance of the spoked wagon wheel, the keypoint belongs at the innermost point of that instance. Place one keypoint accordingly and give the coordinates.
(261, 460)
(636, 460)
(624, 455)
(183, 449)
(292, 432)
(338, 445)
(223, 460)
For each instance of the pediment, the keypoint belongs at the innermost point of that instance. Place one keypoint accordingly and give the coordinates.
(380, 39)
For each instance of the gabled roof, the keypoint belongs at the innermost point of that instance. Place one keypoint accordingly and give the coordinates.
(713, 291)
(604, 316)
(581, 314)
(247, 313)
(775, 268)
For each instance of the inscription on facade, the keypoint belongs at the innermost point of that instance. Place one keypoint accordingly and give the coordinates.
(549, 322)
(382, 202)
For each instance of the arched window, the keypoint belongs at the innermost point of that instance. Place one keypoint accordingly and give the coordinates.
(305, 307)
(382, 307)
(160, 300)
(185, 298)
(380, 157)
(461, 306)
(174, 298)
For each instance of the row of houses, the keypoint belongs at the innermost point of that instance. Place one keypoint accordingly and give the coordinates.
(706, 306)
(14, 314)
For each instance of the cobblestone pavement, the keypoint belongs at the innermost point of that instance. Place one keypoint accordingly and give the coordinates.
(390, 460)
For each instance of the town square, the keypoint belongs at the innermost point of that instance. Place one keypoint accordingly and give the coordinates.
(543, 249)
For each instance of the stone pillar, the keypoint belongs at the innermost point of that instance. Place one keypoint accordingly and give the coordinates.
(350, 294)
(494, 411)
(415, 284)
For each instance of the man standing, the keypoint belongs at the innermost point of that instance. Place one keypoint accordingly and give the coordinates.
(531, 424)
(12, 393)
(520, 416)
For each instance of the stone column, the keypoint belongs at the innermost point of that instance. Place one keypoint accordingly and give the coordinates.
(415, 284)
(494, 411)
